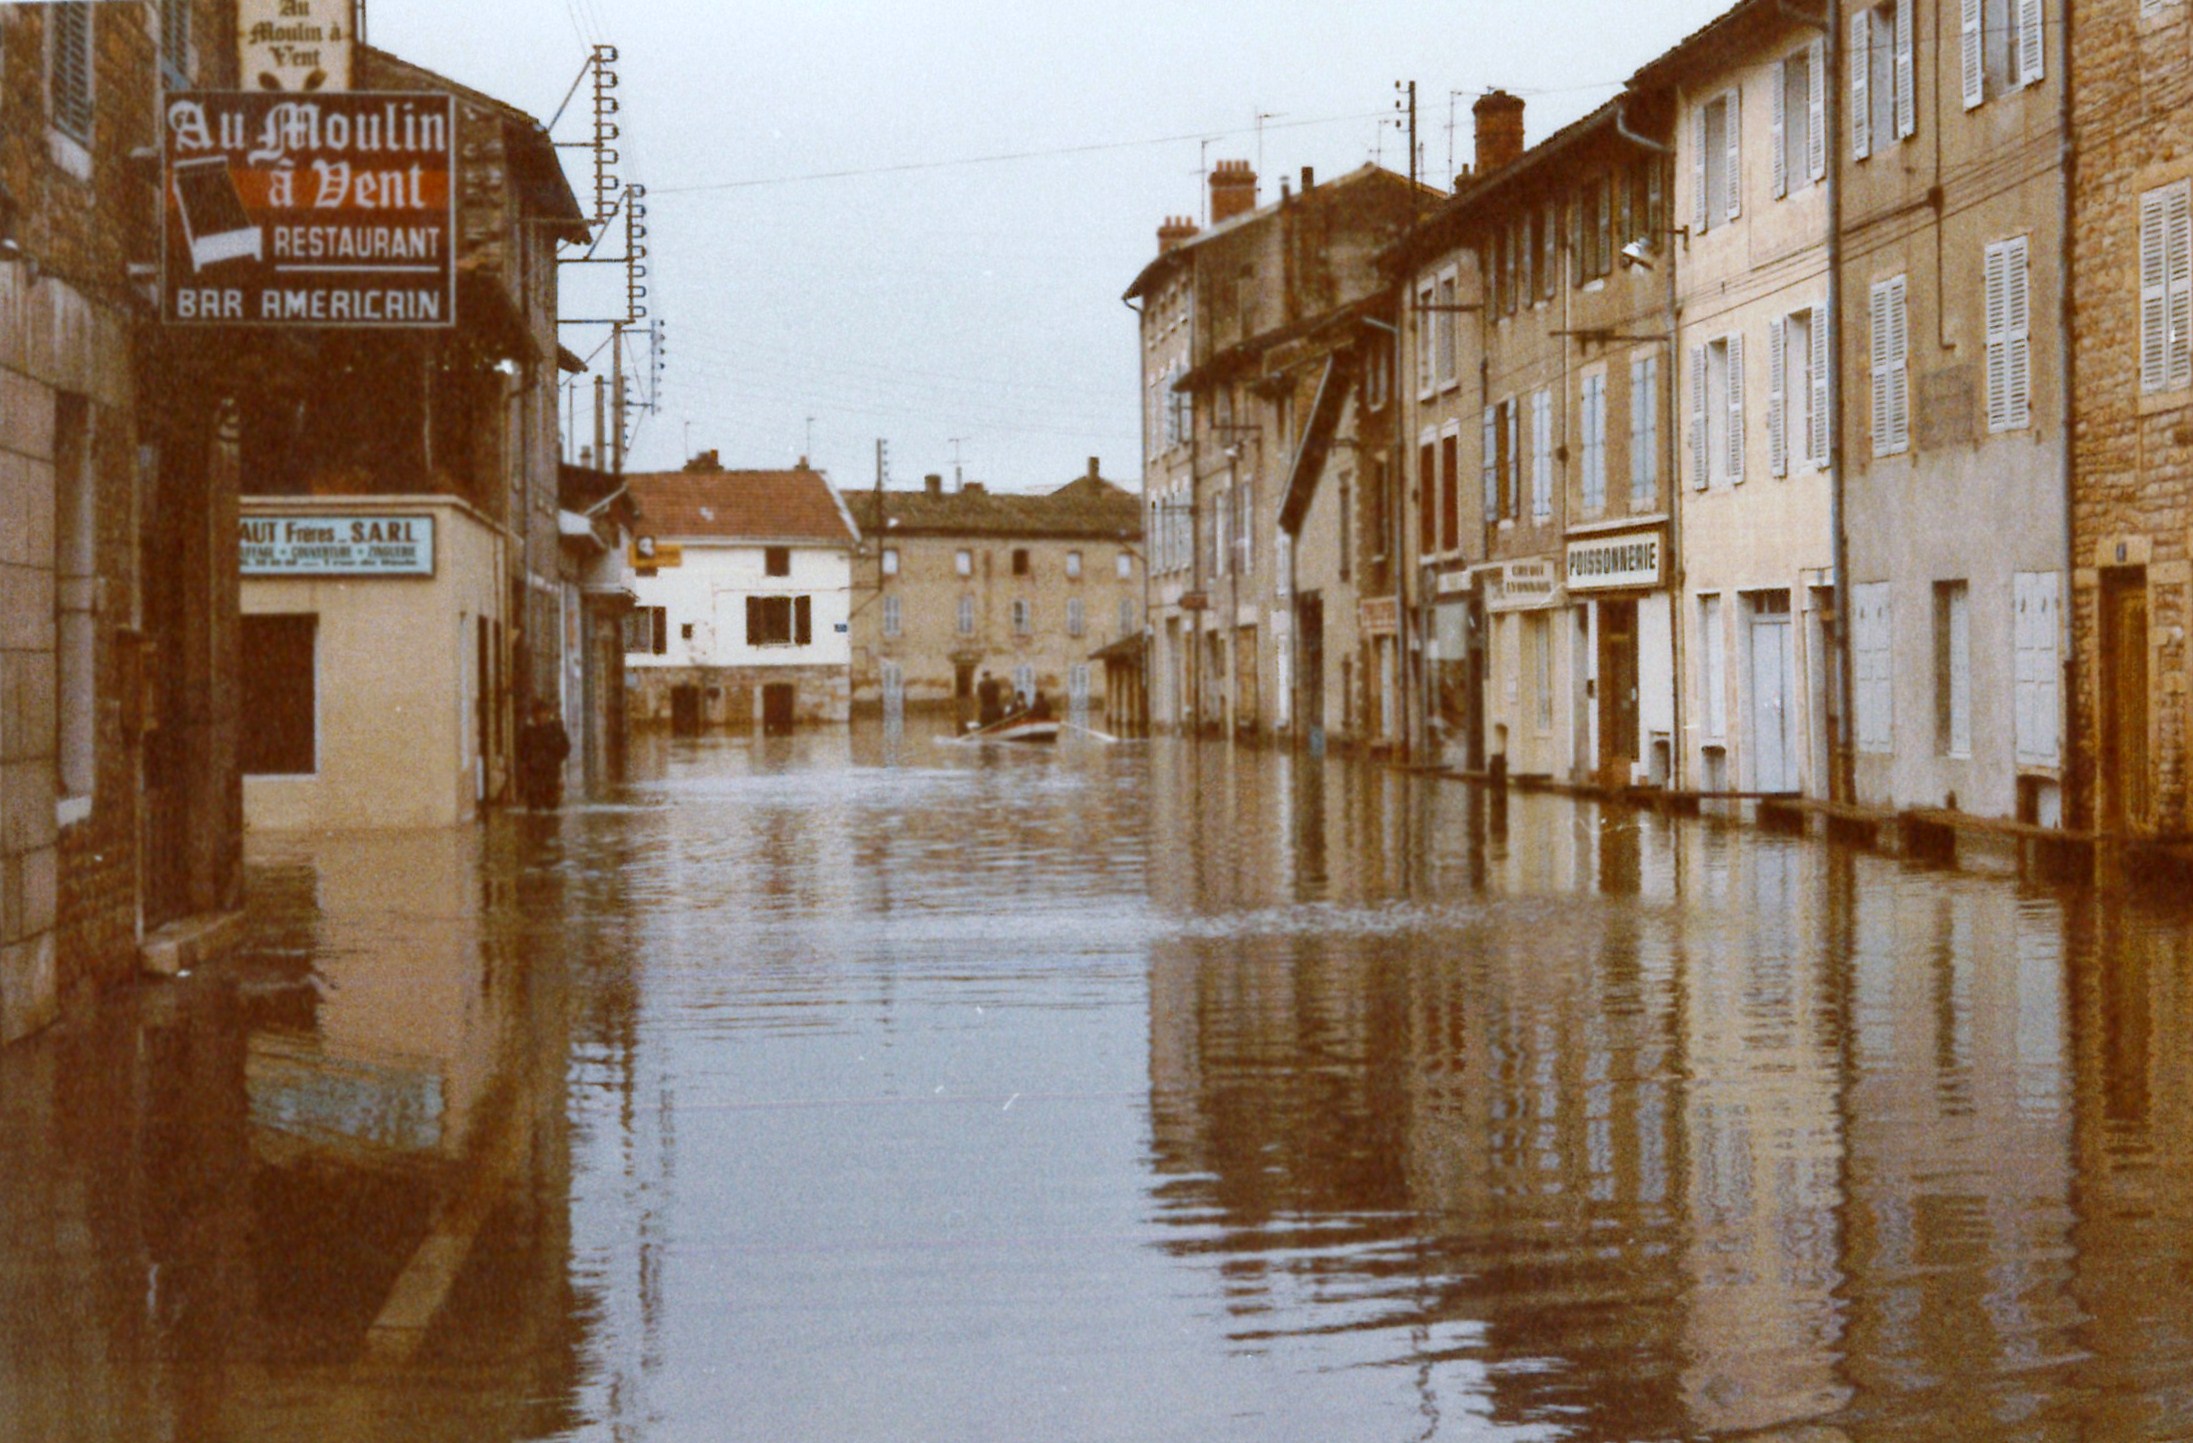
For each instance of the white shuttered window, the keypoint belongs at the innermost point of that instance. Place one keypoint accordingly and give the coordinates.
(1644, 430)
(1735, 345)
(2166, 288)
(1595, 442)
(2009, 347)
(1890, 355)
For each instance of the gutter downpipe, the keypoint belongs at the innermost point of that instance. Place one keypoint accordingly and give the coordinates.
(1395, 532)
(1842, 765)
(2070, 752)
(1671, 446)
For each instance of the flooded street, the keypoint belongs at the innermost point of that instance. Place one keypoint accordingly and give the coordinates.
(869, 1088)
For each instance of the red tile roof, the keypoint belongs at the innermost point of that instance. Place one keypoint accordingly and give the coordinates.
(778, 506)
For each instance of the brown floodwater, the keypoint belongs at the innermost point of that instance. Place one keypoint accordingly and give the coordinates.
(868, 1088)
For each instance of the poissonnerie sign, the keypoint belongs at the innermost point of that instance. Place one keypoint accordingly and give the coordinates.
(332, 210)
(338, 545)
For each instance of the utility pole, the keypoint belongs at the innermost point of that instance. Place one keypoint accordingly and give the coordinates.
(601, 423)
(1405, 97)
(616, 368)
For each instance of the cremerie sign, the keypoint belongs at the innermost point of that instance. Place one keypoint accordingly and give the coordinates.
(338, 545)
(321, 211)
(1607, 563)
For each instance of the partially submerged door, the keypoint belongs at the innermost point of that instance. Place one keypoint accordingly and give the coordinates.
(2124, 769)
(1617, 691)
(1773, 755)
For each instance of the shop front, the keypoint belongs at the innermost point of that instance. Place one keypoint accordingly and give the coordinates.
(1618, 580)
(1531, 654)
(376, 663)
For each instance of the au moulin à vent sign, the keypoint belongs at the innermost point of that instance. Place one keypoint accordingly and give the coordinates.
(319, 211)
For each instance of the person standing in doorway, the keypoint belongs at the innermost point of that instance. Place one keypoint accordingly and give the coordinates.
(542, 748)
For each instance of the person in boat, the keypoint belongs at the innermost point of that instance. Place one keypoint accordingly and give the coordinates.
(1039, 707)
(989, 700)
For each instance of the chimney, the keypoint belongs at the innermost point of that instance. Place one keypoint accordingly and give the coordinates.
(1499, 130)
(933, 484)
(1177, 230)
(1309, 179)
(975, 488)
(1233, 190)
(1093, 473)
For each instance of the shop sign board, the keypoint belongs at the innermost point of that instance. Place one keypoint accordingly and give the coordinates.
(1522, 585)
(1625, 561)
(309, 211)
(1379, 615)
(320, 545)
(1456, 583)
(296, 45)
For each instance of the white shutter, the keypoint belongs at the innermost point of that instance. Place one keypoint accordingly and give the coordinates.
(1515, 456)
(1877, 364)
(1907, 108)
(1899, 376)
(2154, 292)
(1820, 440)
(1491, 465)
(1701, 470)
(1541, 456)
(1998, 360)
(1816, 141)
(1700, 220)
(2032, 41)
(1595, 443)
(2177, 256)
(1960, 670)
(1777, 97)
(1861, 93)
(1735, 124)
(1641, 432)
(2019, 340)
(1777, 414)
(2034, 629)
(1974, 58)
(1736, 407)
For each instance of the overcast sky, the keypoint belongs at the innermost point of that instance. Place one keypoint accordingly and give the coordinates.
(974, 300)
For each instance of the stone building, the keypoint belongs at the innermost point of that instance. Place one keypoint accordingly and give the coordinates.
(1536, 397)
(742, 583)
(952, 584)
(1954, 414)
(1235, 302)
(2132, 361)
(120, 821)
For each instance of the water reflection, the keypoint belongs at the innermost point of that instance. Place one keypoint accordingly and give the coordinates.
(869, 1086)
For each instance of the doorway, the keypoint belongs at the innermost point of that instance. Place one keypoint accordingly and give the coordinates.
(1311, 609)
(779, 707)
(1245, 698)
(685, 711)
(2124, 768)
(1774, 760)
(1617, 692)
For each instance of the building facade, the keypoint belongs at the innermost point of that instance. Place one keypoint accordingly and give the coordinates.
(440, 441)
(742, 587)
(1259, 292)
(1755, 533)
(1537, 400)
(952, 585)
(1955, 441)
(120, 823)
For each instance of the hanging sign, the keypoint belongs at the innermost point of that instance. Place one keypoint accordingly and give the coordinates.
(325, 211)
(317, 545)
(295, 45)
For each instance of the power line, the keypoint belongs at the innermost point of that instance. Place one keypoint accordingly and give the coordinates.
(1001, 158)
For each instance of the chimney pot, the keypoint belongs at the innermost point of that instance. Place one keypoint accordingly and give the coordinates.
(1092, 468)
(1499, 117)
(1176, 231)
(1309, 178)
(933, 483)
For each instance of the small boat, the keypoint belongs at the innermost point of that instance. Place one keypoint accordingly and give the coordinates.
(1019, 727)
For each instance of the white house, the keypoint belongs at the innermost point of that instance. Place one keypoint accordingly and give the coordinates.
(743, 582)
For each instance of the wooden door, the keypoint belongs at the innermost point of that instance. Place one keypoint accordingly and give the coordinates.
(2124, 703)
(1617, 691)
